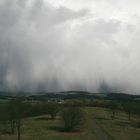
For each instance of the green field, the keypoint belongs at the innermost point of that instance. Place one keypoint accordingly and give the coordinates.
(42, 128)
(120, 128)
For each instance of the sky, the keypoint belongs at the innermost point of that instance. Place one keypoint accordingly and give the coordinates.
(59, 45)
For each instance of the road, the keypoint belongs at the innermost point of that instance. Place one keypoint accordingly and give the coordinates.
(100, 133)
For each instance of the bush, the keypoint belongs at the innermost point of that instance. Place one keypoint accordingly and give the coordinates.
(73, 118)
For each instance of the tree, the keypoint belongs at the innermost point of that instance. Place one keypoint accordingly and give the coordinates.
(52, 109)
(12, 115)
(16, 113)
(138, 113)
(113, 106)
(3, 119)
(128, 108)
(73, 118)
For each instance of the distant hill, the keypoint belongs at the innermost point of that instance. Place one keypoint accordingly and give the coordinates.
(3, 93)
(122, 96)
(71, 95)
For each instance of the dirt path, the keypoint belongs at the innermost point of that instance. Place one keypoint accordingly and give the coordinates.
(95, 129)
(100, 133)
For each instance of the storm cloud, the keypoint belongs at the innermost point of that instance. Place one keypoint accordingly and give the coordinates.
(59, 45)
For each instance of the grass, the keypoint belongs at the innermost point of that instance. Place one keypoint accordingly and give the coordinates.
(42, 128)
(3, 101)
(120, 128)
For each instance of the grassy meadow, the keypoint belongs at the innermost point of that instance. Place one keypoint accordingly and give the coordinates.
(43, 128)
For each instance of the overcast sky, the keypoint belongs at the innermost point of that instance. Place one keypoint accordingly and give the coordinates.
(56, 45)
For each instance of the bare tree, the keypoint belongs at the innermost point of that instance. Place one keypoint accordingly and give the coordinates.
(113, 106)
(128, 108)
(16, 113)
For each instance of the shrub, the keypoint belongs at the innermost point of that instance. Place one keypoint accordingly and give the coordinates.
(73, 118)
